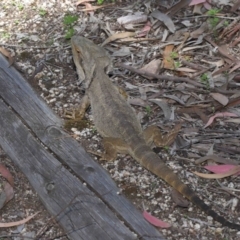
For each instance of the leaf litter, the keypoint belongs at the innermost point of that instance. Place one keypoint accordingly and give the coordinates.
(189, 51)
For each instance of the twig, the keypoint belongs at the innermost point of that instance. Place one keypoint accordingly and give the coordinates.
(192, 65)
(229, 190)
(160, 77)
(216, 158)
(200, 221)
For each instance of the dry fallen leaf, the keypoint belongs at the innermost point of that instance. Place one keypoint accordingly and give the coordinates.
(231, 172)
(234, 102)
(235, 6)
(155, 221)
(177, 7)
(218, 63)
(83, 1)
(193, 48)
(91, 8)
(222, 114)
(6, 174)
(220, 168)
(235, 120)
(12, 224)
(152, 67)
(199, 31)
(186, 69)
(165, 19)
(145, 30)
(235, 67)
(137, 102)
(220, 98)
(164, 106)
(224, 51)
(132, 19)
(168, 61)
(117, 36)
(195, 2)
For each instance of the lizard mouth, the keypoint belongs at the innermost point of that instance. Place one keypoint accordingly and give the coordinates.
(77, 58)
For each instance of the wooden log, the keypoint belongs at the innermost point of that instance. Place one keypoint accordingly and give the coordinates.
(32, 135)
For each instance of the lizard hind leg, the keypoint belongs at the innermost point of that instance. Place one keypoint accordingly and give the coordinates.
(153, 135)
(112, 146)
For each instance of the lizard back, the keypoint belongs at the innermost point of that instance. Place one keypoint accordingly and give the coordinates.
(114, 117)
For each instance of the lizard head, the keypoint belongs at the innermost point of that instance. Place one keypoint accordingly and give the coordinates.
(88, 57)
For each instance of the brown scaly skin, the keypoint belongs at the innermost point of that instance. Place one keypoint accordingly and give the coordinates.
(114, 118)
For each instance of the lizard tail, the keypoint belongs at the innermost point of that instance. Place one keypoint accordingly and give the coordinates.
(148, 159)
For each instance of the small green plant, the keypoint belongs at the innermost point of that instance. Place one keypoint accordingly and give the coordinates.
(42, 12)
(69, 21)
(154, 185)
(20, 6)
(166, 148)
(213, 109)
(226, 74)
(94, 130)
(205, 80)
(213, 20)
(213, 12)
(148, 110)
(177, 64)
(102, 1)
(173, 55)
(5, 35)
(226, 23)
(69, 33)
(204, 77)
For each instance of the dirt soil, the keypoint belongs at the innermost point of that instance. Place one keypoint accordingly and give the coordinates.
(197, 50)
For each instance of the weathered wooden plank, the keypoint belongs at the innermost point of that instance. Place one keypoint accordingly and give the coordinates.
(87, 217)
(47, 127)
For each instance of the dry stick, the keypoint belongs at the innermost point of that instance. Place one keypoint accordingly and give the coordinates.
(192, 65)
(228, 190)
(201, 72)
(160, 77)
(216, 158)
(174, 79)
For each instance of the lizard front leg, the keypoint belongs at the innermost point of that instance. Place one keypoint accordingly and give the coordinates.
(112, 146)
(78, 113)
(75, 116)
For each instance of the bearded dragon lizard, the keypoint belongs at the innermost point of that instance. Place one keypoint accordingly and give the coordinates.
(117, 123)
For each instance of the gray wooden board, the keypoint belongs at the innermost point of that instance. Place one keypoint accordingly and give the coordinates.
(47, 127)
(87, 217)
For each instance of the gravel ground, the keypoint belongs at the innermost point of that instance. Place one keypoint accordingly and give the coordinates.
(36, 33)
